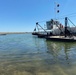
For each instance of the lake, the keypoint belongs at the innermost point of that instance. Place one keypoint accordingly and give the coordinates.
(26, 54)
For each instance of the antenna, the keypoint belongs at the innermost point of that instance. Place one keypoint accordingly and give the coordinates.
(56, 9)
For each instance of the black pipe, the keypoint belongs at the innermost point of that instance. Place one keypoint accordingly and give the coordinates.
(66, 21)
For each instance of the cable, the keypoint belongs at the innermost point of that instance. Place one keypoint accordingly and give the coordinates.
(71, 22)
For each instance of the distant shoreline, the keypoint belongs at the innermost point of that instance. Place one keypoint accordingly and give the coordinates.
(4, 33)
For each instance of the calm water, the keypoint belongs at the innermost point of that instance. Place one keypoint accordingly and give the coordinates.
(24, 54)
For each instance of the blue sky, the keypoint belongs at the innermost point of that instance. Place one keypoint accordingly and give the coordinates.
(21, 15)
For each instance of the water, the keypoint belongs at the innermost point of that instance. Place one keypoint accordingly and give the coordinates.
(24, 54)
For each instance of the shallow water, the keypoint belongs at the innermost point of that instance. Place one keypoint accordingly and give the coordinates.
(25, 54)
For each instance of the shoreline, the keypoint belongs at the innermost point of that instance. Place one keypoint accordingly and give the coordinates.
(4, 33)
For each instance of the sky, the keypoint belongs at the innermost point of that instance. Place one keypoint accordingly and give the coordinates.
(22, 15)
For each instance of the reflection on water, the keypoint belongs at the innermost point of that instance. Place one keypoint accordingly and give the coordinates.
(62, 51)
(24, 54)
